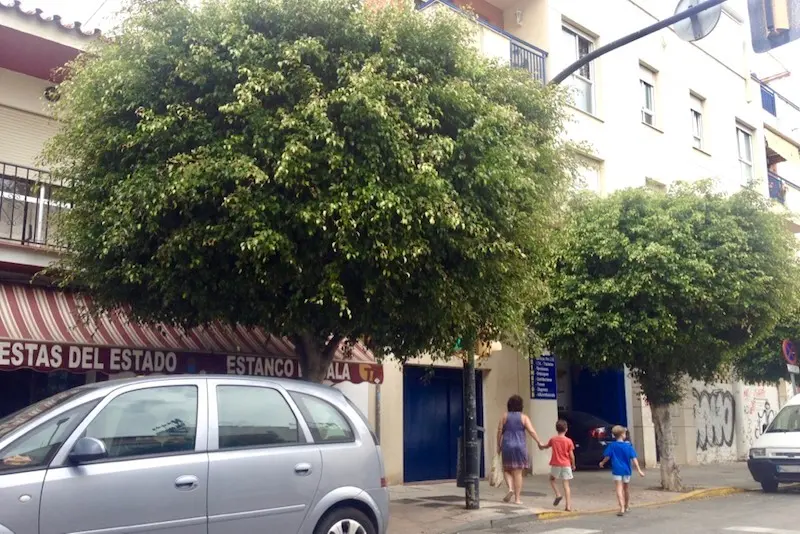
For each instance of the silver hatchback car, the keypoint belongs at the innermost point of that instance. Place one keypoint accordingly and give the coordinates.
(192, 455)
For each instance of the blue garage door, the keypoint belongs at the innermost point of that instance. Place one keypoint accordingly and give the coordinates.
(601, 394)
(432, 417)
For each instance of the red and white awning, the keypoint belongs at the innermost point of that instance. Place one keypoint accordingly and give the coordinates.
(36, 321)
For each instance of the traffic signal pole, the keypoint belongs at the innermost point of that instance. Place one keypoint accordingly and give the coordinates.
(644, 32)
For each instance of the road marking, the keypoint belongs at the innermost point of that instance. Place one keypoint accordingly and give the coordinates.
(762, 530)
(571, 531)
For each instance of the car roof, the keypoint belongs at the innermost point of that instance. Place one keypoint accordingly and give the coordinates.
(291, 384)
(794, 401)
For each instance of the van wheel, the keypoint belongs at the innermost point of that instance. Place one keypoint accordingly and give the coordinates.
(345, 521)
(769, 486)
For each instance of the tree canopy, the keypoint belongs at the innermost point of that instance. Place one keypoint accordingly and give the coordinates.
(669, 285)
(313, 167)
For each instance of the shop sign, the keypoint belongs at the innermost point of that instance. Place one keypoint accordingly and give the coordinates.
(110, 360)
(543, 377)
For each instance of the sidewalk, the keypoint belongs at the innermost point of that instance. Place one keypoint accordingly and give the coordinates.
(439, 507)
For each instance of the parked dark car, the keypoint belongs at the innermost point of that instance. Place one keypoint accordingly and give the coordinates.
(590, 434)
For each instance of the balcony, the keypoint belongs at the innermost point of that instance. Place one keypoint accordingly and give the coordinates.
(28, 211)
(498, 44)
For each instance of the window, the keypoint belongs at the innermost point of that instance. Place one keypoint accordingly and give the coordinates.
(251, 416)
(744, 140)
(577, 46)
(647, 84)
(696, 107)
(327, 424)
(28, 209)
(37, 447)
(149, 421)
(787, 420)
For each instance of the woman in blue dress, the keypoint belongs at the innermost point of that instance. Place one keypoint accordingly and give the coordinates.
(512, 444)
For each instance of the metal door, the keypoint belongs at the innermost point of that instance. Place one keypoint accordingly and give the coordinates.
(432, 420)
(263, 470)
(155, 478)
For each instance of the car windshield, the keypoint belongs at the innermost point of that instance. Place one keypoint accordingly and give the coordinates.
(787, 420)
(12, 422)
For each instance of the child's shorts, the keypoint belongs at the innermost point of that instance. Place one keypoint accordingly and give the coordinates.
(623, 479)
(561, 473)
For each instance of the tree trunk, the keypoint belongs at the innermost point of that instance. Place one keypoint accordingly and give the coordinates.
(665, 442)
(315, 356)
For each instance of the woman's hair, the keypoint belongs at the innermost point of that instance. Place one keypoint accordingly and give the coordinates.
(514, 403)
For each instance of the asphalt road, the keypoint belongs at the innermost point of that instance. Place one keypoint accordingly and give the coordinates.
(744, 513)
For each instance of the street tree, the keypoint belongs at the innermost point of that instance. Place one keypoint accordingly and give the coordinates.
(322, 170)
(671, 285)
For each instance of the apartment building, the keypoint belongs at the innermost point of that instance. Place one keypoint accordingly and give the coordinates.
(47, 341)
(654, 112)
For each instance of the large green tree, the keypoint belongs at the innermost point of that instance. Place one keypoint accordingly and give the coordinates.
(670, 285)
(312, 167)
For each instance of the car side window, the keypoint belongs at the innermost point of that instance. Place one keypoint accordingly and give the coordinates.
(326, 422)
(252, 416)
(151, 421)
(38, 447)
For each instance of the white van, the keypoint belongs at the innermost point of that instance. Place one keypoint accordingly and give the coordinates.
(775, 456)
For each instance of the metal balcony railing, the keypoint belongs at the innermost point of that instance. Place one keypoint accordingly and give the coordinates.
(28, 210)
(780, 188)
(528, 58)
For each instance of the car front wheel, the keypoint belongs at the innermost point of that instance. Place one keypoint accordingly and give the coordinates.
(345, 521)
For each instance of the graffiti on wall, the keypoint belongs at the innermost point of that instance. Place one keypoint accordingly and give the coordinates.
(758, 410)
(714, 415)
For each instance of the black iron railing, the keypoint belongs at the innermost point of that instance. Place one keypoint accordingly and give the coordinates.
(779, 187)
(28, 207)
(532, 60)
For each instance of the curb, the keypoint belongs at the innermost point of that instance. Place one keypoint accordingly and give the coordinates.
(551, 516)
(690, 496)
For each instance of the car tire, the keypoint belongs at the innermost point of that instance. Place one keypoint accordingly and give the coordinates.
(769, 486)
(345, 521)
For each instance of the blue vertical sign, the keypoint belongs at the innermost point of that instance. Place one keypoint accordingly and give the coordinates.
(543, 378)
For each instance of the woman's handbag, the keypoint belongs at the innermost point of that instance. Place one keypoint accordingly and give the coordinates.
(496, 476)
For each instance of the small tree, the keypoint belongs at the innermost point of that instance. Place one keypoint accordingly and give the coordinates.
(670, 285)
(312, 167)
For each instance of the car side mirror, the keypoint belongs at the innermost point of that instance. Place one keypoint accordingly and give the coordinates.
(87, 450)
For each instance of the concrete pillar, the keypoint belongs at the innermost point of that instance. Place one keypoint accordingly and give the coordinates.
(741, 438)
(628, 385)
(642, 428)
(543, 414)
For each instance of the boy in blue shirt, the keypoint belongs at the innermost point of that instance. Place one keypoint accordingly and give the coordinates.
(621, 453)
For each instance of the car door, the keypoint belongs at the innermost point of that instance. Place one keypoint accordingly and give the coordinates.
(263, 469)
(23, 465)
(154, 476)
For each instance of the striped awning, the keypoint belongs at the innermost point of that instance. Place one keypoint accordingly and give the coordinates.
(36, 320)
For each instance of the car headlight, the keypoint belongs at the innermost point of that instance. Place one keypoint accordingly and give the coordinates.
(758, 453)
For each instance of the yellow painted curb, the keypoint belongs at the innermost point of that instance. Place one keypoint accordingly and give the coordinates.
(690, 496)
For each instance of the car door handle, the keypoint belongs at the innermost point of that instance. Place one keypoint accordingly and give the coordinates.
(303, 469)
(186, 482)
